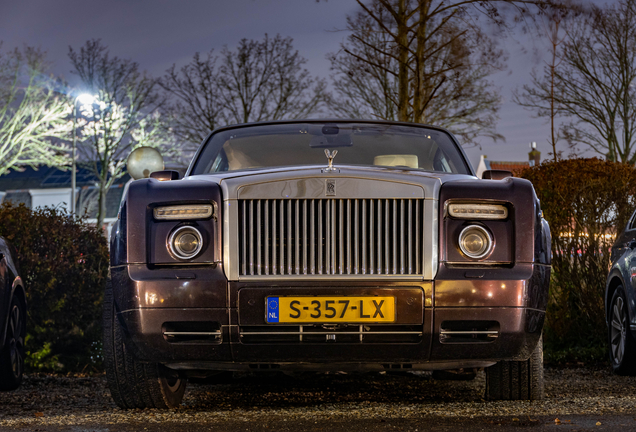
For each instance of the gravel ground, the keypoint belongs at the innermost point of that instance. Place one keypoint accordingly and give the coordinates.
(48, 402)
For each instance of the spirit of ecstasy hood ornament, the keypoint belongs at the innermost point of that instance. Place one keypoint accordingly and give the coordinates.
(330, 156)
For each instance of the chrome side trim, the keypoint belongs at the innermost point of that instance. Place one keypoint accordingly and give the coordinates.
(231, 239)
(477, 264)
(310, 277)
(386, 236)
(266, 226)
(301, 333)
(469, 332)
(379, 236)
(430, 239)
(175, 333)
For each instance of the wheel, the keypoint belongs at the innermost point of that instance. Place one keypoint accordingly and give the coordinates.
(517, 380)
(12, 354)
(622, 347)
(132, 383)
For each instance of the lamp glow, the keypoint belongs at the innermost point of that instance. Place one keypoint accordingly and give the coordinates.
(86, 99)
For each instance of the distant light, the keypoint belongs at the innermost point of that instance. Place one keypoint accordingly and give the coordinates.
(86, 99)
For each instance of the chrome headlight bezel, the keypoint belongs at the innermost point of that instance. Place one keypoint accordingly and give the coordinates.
(489, 242)
(174, 236)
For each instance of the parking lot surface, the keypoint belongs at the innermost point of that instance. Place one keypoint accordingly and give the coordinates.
(576, 399)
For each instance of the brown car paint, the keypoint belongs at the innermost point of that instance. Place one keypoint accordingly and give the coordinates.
(153, 288)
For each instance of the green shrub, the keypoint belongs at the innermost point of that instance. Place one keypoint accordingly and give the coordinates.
(64, 265)
(587, 202)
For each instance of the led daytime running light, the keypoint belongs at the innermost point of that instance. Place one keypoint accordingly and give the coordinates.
(195, 211)
(478, 211)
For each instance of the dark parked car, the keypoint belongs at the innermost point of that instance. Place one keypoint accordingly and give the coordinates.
(326, 246)
(620, 298)
(12, 320)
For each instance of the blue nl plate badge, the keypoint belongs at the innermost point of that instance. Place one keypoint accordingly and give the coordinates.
(272, 309)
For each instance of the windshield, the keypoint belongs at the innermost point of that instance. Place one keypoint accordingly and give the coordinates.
(279, 145)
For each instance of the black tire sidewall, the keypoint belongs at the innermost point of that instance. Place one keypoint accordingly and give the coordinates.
(132, 383)
(8, 379)
(627, 366)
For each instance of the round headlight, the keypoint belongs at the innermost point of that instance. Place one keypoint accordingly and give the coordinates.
(475, 242)
(185, 242)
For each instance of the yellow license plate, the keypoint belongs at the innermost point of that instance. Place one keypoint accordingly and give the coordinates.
(330, 309)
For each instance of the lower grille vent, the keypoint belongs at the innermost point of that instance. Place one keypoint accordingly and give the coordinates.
(317, 334)
(192, 332)
(468, 331)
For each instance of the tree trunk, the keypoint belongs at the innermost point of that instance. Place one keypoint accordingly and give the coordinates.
(419, 96)
(101, 204)
(403, 56)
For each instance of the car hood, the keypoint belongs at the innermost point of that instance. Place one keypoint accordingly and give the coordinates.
(345, 181)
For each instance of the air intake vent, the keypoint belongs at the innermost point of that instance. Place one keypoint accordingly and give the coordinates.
(317, 334)
(468, 331)
(205, 332)
(330, 237)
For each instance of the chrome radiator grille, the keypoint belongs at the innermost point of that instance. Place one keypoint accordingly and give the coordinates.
(287, 237)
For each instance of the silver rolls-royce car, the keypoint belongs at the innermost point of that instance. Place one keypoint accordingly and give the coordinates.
(326, 246)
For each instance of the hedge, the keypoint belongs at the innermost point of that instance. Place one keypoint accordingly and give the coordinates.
(64, 265)
(586, 202)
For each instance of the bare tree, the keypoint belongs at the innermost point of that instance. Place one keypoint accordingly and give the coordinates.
(364, 73)
(124, 96)
(264, 80)
(430, 58)
(596, 81)
(259, 80)
(541, 95)
(34, 118)
(419, 61)
(196, 106)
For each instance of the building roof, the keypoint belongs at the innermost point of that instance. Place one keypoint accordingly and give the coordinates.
(44, 177)
(514, 166)
(508, 166)
(17, 187)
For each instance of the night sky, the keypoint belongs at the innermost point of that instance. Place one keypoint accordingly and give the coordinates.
(158, 33)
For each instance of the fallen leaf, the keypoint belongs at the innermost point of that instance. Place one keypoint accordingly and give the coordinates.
(39, 414)
(598, 423)
(557, 421)
(515, 419)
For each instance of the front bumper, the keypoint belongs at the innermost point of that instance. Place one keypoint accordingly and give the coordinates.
(445, 324)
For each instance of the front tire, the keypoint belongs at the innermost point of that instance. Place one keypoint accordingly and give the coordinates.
(622, 347)
(12, 353)
(132, 383)
(517, 380)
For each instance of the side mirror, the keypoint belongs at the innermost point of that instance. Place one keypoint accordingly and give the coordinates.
(496, 174)
(165, 175)
(143, 161)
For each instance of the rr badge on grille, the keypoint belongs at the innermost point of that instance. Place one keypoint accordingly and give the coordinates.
(330, 187)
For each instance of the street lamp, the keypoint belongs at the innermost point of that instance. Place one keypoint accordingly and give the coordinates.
(83, 99)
